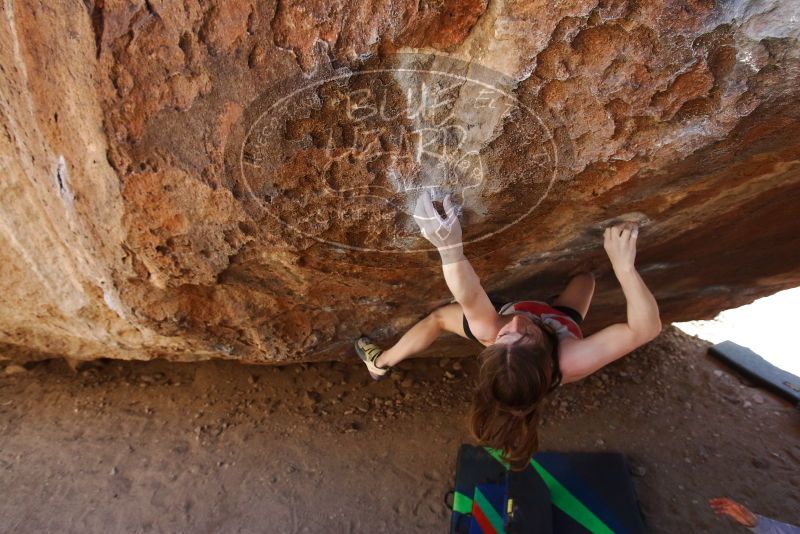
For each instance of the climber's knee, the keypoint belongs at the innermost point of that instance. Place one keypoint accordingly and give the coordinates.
(449, 318)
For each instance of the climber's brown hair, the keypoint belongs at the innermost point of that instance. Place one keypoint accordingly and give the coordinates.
(513, 381)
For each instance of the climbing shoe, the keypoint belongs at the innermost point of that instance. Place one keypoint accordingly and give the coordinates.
(369, 353)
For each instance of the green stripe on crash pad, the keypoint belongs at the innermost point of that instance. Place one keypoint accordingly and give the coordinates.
(461, 503)
(489, 511)
(568, 504)
(562, 498)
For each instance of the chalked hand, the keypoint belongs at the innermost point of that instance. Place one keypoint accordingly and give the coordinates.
(444, 232)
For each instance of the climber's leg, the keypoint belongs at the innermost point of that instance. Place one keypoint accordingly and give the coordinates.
(445, 319)
(578, 293)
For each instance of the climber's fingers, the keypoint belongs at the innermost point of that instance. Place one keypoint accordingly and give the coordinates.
(430, 209)
(613, 233)
(419, 210)
(450, 211)
(449, 208)
(633, 231)
(425, 211)
(624, 232)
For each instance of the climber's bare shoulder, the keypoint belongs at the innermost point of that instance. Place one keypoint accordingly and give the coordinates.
(484, 322)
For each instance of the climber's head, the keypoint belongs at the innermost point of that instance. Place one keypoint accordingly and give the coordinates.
(515, 376)
(520, 331)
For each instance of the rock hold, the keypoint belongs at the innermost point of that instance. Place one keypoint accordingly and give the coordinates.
(14, 369)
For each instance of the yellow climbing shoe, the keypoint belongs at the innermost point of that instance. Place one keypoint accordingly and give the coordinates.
(369, 353)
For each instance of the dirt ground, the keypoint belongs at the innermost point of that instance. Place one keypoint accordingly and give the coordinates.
(225, 447)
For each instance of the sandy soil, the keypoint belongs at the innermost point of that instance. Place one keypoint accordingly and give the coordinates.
(224, 447)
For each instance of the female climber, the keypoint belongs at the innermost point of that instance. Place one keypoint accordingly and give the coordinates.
(531, 346)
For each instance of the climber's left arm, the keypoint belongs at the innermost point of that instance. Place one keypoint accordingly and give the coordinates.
(579, 358)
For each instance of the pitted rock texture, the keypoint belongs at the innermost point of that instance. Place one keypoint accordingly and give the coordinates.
(128, 230)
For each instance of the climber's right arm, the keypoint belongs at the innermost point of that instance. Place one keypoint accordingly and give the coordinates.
(445, 234)
(466, 288)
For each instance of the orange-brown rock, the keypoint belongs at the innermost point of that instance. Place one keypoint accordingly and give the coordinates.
(233, 179)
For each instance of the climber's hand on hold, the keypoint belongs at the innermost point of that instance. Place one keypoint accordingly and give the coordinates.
(443, 232)
(620, 244)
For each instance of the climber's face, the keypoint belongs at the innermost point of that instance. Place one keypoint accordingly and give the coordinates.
(520, 329)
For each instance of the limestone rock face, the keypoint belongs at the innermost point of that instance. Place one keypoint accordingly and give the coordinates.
(236, 178)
